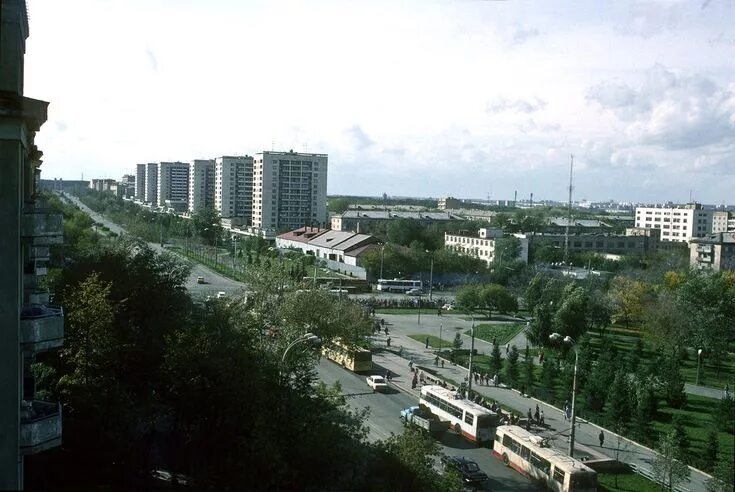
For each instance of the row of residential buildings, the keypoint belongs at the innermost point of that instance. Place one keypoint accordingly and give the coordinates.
(272, 191)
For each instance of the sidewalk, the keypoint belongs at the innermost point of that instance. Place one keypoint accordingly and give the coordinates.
(586, 435)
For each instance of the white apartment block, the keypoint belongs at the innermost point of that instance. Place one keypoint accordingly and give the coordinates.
(173, 185)
(233, 186)
(289, 190)
(676, 223)
(151, 183)
(482, 244)
(723, 222)
(201, 184)
(140, 182)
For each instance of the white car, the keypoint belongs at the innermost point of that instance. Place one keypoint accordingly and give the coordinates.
(221, 294)
(414, 292)
(448, 307)
(377, 383)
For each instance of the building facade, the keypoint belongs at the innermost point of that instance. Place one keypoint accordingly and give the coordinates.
(680, 223)
(482, 244)
(140, 182)
(715, 252)
(351, 220)
(636, 241)
(28, 324)
(340, 246)
(103, 185)
(173, 185)
(722, 221)
(233, 187)
(289, 190)
(151, 183)
(201, 184)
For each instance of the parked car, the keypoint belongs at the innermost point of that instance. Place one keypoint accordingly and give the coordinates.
(221, 294)
(377, 383)
(448, 307)
(414, 292)
(471, 473)
(200, 280)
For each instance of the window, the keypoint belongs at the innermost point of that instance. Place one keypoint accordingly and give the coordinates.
(469, 418)
(525, 453)
(558, 475)
(540, 463)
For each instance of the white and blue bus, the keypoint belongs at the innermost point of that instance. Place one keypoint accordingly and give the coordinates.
(398, 285)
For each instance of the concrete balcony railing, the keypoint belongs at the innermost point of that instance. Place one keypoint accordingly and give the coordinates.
(40, 253)
(43, 226)
(40, 426)
(42, 327)
(39, 297)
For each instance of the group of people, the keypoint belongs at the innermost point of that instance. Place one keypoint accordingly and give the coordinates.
(483, 378)
(536, 417)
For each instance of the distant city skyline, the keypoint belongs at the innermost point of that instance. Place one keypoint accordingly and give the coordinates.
(417, 98)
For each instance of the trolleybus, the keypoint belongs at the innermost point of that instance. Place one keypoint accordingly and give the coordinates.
(530, 455)
(354, 358)
(473, 421)
(397, 285)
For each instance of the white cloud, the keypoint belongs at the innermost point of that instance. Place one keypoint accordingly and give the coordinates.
(500, 104)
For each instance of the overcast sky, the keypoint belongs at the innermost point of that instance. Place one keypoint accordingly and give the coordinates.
(425, 98)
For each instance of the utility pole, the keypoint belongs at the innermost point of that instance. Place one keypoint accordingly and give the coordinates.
(569, 213)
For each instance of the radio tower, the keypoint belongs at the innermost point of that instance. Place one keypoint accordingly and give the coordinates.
(569, 213)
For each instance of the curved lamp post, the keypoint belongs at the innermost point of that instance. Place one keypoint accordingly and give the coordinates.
(555, 337)
(309, 338)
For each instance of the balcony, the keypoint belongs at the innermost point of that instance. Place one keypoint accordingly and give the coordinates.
(43, 226)
(39, 297)
(40, 426)
(42, 327)
(40, 253)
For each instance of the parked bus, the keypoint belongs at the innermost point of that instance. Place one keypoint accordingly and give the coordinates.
(473, 421)
(528, 454)
(397, 285)
(356, 359)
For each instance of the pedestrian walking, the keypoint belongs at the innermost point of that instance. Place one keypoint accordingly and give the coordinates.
(495, 341)
(421, 377)
(602, 438)
(387, 375)
(442, 363)
(414, 381)
(541, 418)
(387, 342)
(386, 331)
(410, 364)
(427, 342)
(436, 361)
(536, 414)
(529, 415)
(507, 348)
(439, 312)
(541, 357)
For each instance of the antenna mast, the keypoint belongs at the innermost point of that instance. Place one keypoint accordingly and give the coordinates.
(569, 213)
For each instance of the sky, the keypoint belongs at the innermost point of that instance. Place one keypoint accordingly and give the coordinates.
(463, 98)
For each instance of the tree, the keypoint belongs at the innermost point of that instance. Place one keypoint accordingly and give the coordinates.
(673, 383)
(628, 298)
(207, 224)
(468, 297)
(711, 451)
(528, 370)
(723, 415)
(338, 205)
(723, 477)
(618, 401)
(494, 297)
(511, 367)
(507, 249)
(680, 434)
(457, 343)
(548, 378)
(541, 326)
(667, 465)
(571, 316)
(496, 362)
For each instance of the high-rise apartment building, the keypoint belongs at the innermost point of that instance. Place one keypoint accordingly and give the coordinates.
(173, 185)
(233, 187)
(679, 223)
(201, 184)
(140, 182)
(722, 222)
(28, 324)
(151, 183)
(289, 190)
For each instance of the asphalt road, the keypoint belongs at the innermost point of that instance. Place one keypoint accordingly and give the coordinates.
(214, 282)
(383, 420)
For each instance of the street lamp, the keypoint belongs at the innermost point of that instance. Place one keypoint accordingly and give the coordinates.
(555, 337)
(431, 273)
(699, 357)
(309, 338)
(472, 351)
(382, 257)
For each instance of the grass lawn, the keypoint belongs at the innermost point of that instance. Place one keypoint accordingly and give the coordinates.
(626, 482)
(504, 332)
(434, 342)
(405, 311)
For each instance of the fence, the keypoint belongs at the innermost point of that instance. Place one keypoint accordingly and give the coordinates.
(646, 473)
